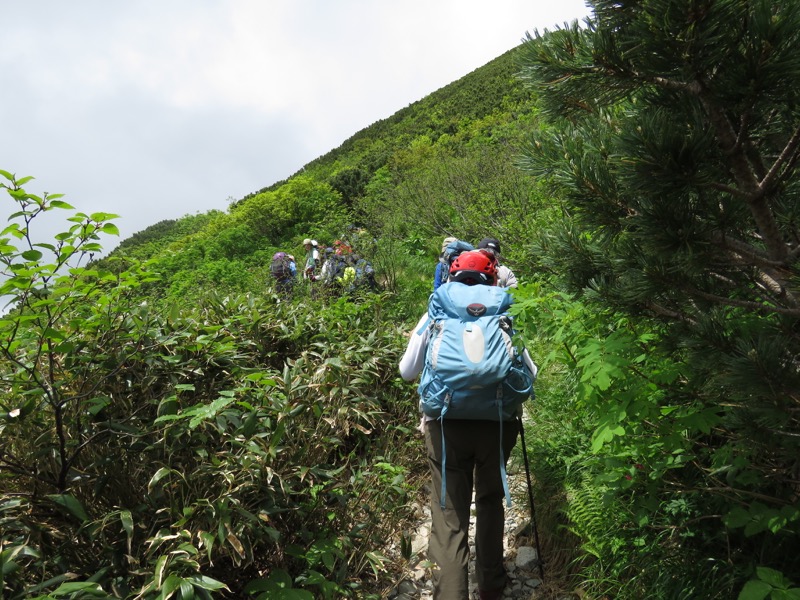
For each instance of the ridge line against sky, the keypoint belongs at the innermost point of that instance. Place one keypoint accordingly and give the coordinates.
(154, 110)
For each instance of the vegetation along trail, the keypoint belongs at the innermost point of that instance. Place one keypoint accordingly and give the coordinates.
(171, 426)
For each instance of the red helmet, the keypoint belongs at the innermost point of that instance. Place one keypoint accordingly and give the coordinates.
(474, 267)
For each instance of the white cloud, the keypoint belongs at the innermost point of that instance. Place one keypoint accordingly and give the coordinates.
(158, 109)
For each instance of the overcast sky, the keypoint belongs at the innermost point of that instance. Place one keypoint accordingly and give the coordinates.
(154, 109)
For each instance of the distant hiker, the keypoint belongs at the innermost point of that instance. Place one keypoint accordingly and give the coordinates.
(437, 274)
(312, 259)
(505, 276)
(364, 274)
(334, 271)
(348, 276)
(451, 248)
(281, 270)
(330, 263)
(471, 390)
(342, 247)
(361, 241)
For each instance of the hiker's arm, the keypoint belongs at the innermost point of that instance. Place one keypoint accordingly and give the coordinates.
(414, 356)
(511, 279)
(437, 276)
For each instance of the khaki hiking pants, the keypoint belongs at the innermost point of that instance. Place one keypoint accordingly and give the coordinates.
(473, 457)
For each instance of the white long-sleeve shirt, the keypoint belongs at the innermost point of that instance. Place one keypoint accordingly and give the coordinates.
(414, 357)
(506, 277)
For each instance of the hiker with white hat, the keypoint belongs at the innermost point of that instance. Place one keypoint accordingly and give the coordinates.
(312, 259)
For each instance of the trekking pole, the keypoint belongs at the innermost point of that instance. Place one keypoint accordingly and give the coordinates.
(530, 498)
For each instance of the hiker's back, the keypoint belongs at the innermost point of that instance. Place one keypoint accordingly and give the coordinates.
(472, 368)
(280, 267)
(452, 248)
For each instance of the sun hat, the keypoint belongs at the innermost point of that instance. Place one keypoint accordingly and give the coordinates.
(306, 241)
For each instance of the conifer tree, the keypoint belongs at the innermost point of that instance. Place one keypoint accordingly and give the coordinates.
(674, 141)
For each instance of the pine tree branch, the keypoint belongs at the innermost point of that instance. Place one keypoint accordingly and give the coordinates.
(745, 176)
(755, 306)
(771, 283)
(733, 145)
(788, 155)
(722, 187)
(662, 311)
(752, 255)
(772, 275)
(693, 87)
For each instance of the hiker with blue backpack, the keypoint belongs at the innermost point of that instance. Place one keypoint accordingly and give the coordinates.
(336, 274)
(451, 248)
(474, 378)
(441, 264)
(283, 270)
(364, 275)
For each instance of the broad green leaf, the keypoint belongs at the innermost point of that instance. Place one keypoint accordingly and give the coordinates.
(61, 204)
(295, 594)
(207, 583)
(71, 505)
(207, 540)
(171, 583)
(755, 590)
(772, 577)
(605, 433)
(187, 590)
(103, 216)
(85, 587)
(158, 571)
(52, 334)
(158, 476)
(32, 255)
(50, 582)
(95, 405)
(280, 578)
(127, 521)
(737, 517)
(257, 585)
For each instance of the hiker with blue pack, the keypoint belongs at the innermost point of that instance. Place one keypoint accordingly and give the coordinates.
(283, 270)
(451, 248)
(474, 378)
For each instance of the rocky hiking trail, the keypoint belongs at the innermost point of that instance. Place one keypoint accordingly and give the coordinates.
(521, 559)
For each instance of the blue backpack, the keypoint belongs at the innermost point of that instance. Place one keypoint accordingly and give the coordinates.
(472, 368)
(451, 252)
